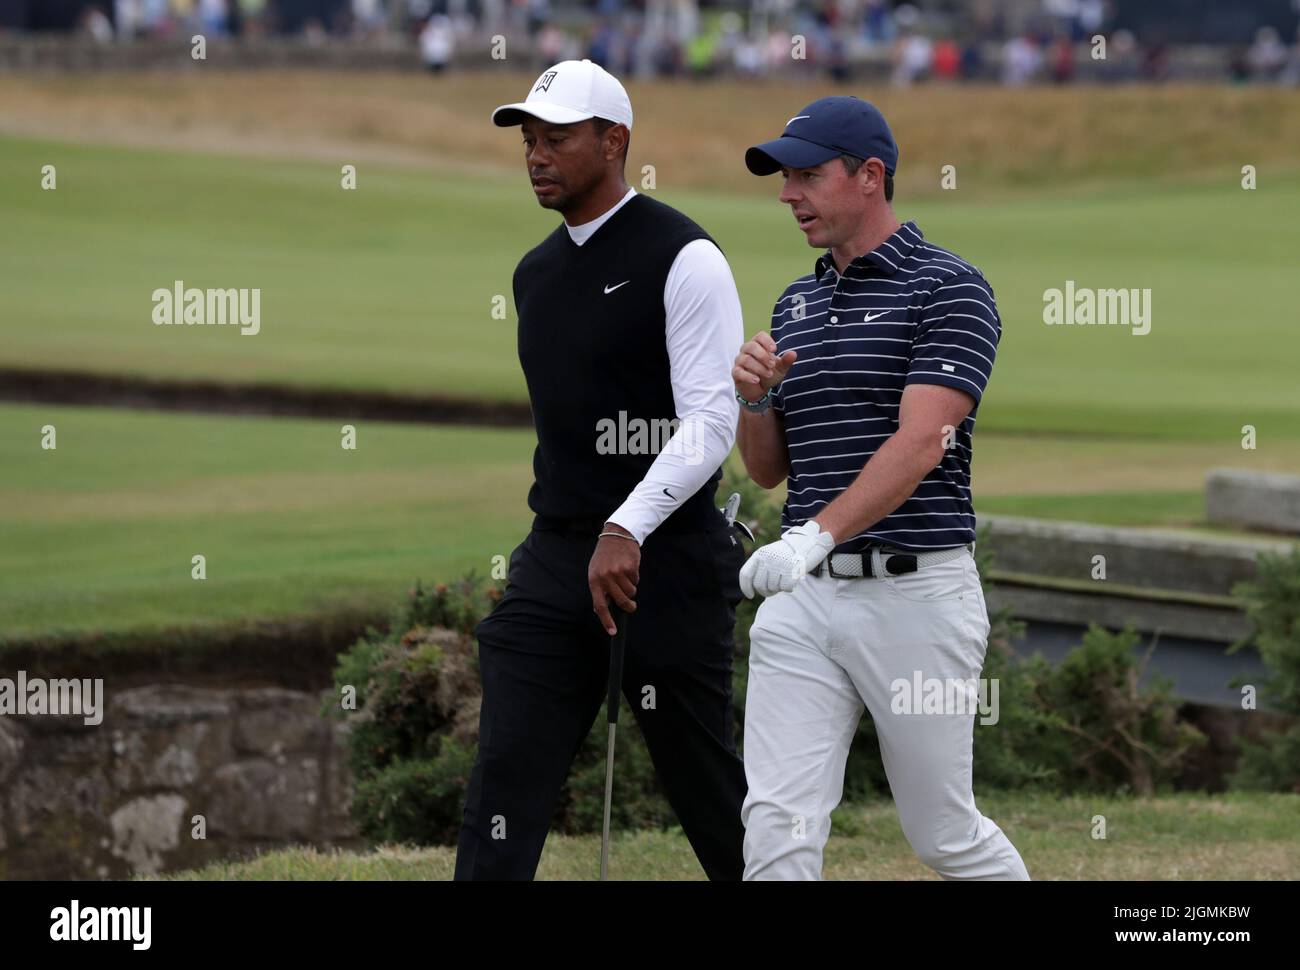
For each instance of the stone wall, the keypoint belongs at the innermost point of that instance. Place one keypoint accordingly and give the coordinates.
(1150, 559)
(1253, 500)
(1176, 583)
(261, 765)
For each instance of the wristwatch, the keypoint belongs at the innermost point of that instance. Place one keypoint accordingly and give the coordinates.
(756, 407)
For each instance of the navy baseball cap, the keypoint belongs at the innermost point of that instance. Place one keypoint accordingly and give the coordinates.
(826, 129)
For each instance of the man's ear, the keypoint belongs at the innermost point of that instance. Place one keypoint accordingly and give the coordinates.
(875, 170)
(620, 139)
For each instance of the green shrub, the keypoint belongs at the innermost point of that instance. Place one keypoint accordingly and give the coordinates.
(458, 606)
(412, 734)
(411, 739)
(1272, 602)
(1021, 749)
(415, 800)
(1272, 764)
(1119, 735)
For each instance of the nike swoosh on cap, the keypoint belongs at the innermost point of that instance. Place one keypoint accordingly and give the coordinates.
(796, 118)
(611, 289)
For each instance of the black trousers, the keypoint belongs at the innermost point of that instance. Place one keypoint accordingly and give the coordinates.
(544, 661)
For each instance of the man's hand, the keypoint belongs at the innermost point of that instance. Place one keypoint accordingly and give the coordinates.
(758, 369)
(613, 573)
(777, 566)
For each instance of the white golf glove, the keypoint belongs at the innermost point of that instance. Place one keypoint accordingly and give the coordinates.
(777, 566)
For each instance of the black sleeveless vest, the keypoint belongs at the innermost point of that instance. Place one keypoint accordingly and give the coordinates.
(593, 350)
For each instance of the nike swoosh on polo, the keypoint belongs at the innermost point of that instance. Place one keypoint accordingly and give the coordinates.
(871, 316)
(611, 289)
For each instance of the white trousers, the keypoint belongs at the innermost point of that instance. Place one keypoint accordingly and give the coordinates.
(818, 655)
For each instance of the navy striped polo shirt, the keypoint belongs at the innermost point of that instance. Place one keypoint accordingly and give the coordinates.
(907, 312)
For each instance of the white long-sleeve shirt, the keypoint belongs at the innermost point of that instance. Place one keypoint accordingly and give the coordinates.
(703, 330)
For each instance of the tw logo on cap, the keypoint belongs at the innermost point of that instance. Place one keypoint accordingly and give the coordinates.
(544, 82)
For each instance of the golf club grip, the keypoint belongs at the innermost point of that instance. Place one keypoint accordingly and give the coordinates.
(617, 646)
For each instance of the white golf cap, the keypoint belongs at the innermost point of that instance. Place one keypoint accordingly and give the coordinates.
(571, 91)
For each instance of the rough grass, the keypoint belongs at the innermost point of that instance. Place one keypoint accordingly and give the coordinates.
(1183, 837)
(694, 134)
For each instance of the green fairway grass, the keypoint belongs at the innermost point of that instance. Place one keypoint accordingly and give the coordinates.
(1180, 837)
(98, 534)
(391, 286)
(1110, 508)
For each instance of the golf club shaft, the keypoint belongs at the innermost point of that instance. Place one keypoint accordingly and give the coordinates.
(616, 649)
(609, 791)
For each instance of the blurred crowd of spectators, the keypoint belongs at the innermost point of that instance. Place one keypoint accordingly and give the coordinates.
(1015, 41)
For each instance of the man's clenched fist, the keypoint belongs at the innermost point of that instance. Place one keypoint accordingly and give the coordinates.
(777, 566)
(758, 369)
